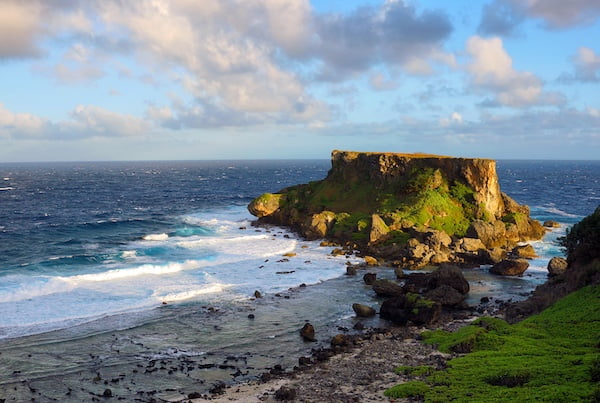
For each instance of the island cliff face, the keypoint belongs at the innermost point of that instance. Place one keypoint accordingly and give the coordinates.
(415, 209)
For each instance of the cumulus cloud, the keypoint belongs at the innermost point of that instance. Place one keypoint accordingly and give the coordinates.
(394, 34)
(85, 121)
(501, 17)
(587, 67)
(491, 69)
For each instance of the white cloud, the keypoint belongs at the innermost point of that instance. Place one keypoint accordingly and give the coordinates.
(86, 121)
(560, 13)
(491, 69)
(587, 65)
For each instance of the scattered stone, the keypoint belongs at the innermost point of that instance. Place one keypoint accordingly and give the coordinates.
(363, 311)
(285, 272)
(194, 395)
(510, 267)
(551, 224)
(484, 300)
(556, 266)
(289, 254)
(340, 340)
(285, 393)
(338, 252)
(251, 316)
(350, 270)
(107, 393)
(371, 261)
(308, 332)
(370, 278)
(257, 294)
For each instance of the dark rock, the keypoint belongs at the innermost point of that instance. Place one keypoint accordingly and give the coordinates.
(251, 316)
(387, 288)
(304, 361)
(308, 332)
(446, 295)
(107, 393)
(412, 308)
(285, 393)
(398, 272)
(350, 270)
(194, 395)
(557, 266)
(449, 275)
(218, 388)
(257, 294)
(551, 224)
(523, 251)
(369, 278)
(363, 311)
(510, 267)
(484, 300)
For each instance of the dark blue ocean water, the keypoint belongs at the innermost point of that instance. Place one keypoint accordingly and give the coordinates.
(79, 241)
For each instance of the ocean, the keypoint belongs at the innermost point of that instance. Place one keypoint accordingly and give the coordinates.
(160, 259)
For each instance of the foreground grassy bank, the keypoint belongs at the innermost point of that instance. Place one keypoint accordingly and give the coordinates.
(553, 356)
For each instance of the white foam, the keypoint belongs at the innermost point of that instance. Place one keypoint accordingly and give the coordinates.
(554, 210)
(189, 294)
(156, 237)
(128, 254)
(6, 188)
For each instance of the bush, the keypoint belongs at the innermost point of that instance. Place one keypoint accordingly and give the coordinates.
(582, 242)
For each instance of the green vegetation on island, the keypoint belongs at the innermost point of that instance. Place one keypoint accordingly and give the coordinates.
(552, 357)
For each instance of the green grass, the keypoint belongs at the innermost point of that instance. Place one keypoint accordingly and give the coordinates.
(549, 357)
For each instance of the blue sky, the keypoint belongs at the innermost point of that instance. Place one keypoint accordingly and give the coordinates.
(231, 79)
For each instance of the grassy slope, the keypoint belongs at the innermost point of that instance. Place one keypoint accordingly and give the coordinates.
(552, 357)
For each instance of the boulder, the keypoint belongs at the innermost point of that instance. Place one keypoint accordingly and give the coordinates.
(340, 340)
(451, 276)
(490, 234)
(551, 224)
(446, 295)
(411, 307)
(350, 270)
(317, 225)
(369, 278)
(472, 245)
(308, 332)
(524, 252)
(557, 266)
(492, 256)
(437, 239)
(265, 204)
(371, 261)
(387, 288)
(526, 227)
(363, 311)
(510, 267)
(379, 229)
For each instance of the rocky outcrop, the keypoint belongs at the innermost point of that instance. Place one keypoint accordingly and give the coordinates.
(414, 209)
(557, 266)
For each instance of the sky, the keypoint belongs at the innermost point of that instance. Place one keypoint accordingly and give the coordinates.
(88, 80)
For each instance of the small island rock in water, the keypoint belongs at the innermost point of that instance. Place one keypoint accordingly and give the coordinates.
(410, 209)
